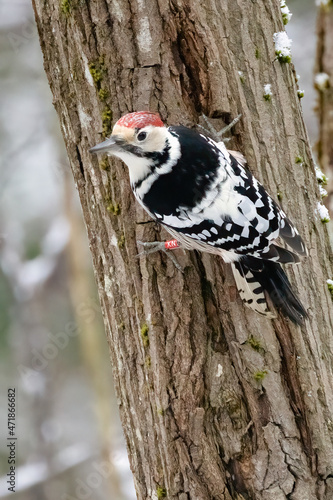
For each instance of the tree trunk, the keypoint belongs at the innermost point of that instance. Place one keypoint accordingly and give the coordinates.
(324, 66)
(215, 401)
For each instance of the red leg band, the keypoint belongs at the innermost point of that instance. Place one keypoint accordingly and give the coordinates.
(171, 244)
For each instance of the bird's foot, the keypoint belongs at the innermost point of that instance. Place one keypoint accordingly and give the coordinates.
(160, 246)
(217, 135)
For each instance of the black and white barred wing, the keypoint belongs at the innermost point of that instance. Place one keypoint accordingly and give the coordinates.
(237, 217)
(266, 216)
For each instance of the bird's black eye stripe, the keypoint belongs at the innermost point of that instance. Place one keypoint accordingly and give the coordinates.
(141, 136)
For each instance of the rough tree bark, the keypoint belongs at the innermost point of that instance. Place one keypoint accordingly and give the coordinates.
(324, 64)
(215, 402)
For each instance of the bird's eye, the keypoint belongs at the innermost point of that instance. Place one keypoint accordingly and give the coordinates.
(142, 136)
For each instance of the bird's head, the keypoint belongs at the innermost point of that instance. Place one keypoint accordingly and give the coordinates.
(134, 135)
(143, 142)
(137, 138)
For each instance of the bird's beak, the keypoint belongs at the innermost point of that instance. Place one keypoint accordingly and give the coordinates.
(108, 145)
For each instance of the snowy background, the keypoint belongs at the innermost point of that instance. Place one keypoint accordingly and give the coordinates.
(52, 344)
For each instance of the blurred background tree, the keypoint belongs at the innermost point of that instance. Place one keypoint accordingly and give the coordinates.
(47, 282)
(324, 85)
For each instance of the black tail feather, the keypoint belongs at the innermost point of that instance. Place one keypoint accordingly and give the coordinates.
(290, 235)
(275, 283)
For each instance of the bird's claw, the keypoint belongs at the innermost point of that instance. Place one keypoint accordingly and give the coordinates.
(157, 246)
(151, 247)
(217, 135)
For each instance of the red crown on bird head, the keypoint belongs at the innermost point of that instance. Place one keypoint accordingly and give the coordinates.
(140, 119)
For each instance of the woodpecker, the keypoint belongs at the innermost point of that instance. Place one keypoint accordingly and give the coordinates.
(207, 200)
